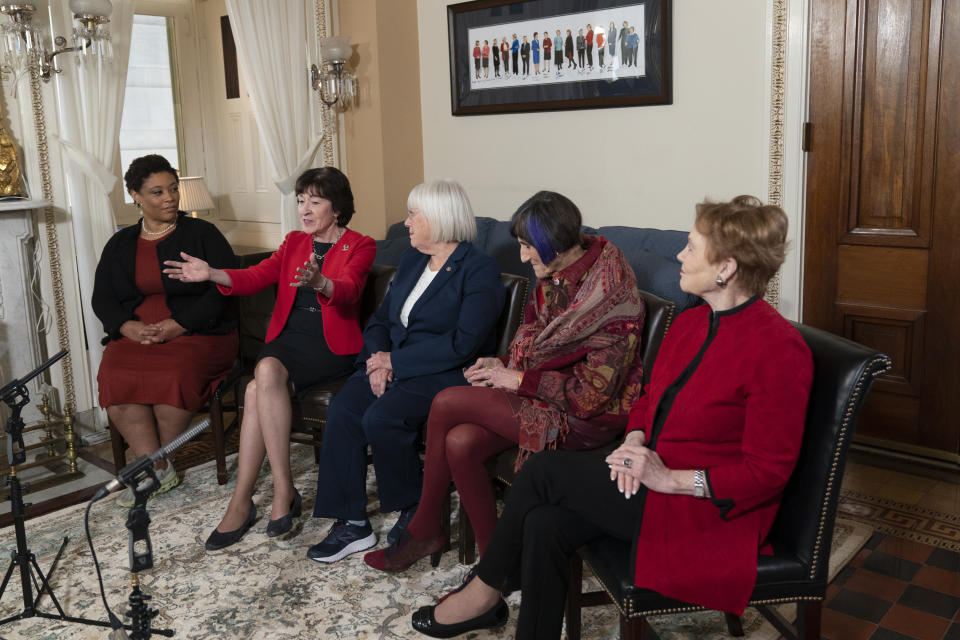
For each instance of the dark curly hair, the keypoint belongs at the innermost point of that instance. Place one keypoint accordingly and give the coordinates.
(329, 183)
(144, 167)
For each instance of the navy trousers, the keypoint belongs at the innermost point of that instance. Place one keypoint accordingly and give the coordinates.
(390, 425)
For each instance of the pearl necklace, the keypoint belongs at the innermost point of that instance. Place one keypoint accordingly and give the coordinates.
(143, 229)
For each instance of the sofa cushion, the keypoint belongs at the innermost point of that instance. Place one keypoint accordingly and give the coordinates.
(652, 254)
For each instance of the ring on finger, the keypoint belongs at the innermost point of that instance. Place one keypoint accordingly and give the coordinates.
(627, 462)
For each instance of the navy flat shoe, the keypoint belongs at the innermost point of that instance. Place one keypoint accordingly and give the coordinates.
(424, 622)
(221, 540)
(283, 524)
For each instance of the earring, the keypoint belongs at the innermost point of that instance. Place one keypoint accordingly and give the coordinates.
(719, 281)
(137, 203)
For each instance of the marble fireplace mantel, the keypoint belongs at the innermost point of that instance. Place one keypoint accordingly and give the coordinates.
(19, 342)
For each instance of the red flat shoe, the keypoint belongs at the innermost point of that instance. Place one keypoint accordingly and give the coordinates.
(405, 552)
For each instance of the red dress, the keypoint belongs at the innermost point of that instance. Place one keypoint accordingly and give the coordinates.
(182, 372)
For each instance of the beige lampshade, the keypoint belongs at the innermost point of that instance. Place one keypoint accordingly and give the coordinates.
(194, 195)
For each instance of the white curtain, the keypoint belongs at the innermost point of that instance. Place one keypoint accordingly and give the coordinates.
(90, 96)
(272, 39)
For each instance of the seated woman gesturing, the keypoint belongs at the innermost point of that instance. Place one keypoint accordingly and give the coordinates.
(572, 374)
(314, 336)
(698, 480)
(438, 316)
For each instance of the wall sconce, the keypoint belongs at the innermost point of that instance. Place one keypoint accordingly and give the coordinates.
(22, 44)
(336, 86)
(194, 195)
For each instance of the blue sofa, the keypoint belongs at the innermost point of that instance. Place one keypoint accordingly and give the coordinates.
(651, 252)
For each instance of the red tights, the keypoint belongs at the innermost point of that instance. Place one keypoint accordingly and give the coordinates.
(467, 425)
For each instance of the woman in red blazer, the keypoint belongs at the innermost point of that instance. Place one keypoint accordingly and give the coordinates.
(314, 336)
(697, 481)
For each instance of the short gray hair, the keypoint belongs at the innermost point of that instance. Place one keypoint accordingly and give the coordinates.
(447, 208)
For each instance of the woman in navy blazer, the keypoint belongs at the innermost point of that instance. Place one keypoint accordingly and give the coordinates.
(438, 316)
(314, 335)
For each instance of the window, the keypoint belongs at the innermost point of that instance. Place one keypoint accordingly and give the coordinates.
(149, 123)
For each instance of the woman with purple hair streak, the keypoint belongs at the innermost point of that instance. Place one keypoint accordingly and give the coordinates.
(569, 381)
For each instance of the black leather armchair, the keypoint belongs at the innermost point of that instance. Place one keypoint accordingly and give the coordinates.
(803, 530)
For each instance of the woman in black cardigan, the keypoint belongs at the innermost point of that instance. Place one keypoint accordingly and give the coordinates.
(168, 343)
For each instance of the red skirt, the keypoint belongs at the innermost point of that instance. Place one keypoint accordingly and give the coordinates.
(183, 372)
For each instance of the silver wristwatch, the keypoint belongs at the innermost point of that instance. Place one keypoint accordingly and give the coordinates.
(699, 484)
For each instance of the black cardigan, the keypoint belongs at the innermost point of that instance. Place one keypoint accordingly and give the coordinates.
(196, 306)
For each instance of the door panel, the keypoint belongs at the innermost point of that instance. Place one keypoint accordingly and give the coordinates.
(886, 56)
(883, 203)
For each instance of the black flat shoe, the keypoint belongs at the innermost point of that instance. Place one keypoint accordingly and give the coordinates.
(424, 622)
(221, 540)
(283, 524)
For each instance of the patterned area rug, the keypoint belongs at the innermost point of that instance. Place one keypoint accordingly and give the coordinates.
(267, 588)
(902, 520)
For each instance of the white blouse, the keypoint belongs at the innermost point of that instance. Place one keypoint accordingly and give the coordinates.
(425, 279)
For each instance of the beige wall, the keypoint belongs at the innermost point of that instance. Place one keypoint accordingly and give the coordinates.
(639, 166)
(382, 134)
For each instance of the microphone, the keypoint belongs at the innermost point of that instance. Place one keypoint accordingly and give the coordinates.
(133, 471)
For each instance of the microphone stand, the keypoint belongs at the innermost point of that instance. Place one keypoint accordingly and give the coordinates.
(15, 395)
(143, 482)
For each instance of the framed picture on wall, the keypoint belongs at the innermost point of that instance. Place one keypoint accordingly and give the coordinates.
(540, 55)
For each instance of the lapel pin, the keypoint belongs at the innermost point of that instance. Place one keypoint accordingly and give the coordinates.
(449, 268)
(345, 247)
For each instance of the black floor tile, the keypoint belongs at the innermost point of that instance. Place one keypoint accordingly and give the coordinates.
(887, 634)
(875, 539)
(891, 566)
(844, 575)
(939, 604)
(953, 633)
(859, 605)
(945, 559)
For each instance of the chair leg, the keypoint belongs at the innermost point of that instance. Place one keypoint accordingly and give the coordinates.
(636, 629)
(574, 591)
(468, 542)
(733, 624)
(808, 620)
(219, 441)
(445, 517)
(119, 447)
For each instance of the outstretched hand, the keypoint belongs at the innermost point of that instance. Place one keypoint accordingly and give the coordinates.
(190, 270)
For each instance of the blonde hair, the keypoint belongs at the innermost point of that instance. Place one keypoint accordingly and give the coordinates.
(445, 205)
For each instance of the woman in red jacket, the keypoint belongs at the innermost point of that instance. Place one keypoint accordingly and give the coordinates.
(314, 336)
(697, 481)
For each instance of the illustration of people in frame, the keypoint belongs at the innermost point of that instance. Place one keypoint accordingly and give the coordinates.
(559, 49)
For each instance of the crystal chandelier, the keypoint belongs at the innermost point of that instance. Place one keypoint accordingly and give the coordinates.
(22, 48)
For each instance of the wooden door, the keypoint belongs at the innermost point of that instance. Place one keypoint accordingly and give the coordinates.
(882, 257)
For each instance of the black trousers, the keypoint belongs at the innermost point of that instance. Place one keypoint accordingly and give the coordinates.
(515, 54)
(600, 55)
(526, 65)
(624, 52)
(560, 501)
(590, 55)
(580, 56)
